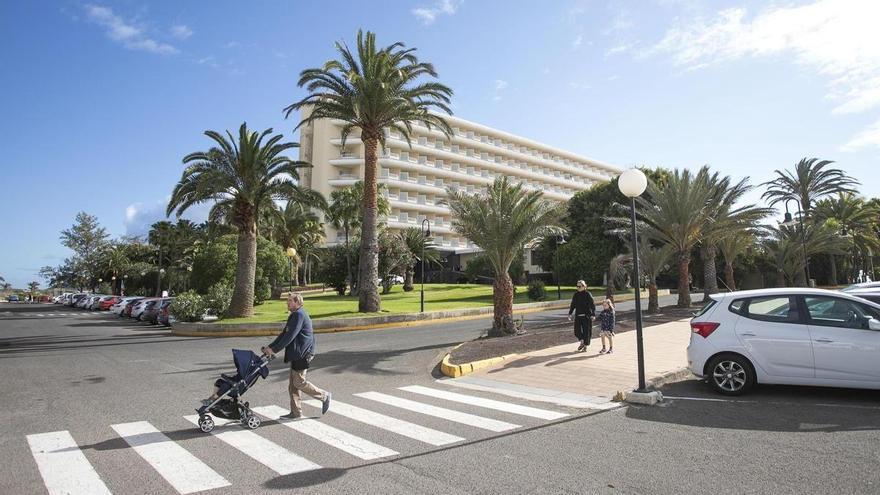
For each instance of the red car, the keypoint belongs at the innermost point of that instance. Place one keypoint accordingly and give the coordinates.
(105, 302)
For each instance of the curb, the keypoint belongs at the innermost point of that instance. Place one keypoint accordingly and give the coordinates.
(457, 370)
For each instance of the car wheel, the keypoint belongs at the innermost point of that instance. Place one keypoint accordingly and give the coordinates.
(731, 374)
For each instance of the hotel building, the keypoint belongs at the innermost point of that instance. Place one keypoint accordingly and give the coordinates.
(415, 178)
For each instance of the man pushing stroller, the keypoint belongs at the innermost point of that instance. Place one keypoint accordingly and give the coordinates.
(298, 342)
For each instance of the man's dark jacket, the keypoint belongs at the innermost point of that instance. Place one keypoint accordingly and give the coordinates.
(297, 340)
(582, 304)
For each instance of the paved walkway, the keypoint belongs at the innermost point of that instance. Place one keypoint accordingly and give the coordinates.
(591, 374)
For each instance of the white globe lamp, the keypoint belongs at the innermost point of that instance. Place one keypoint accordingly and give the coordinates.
(632, 183)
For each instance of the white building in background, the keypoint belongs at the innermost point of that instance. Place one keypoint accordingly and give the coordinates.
(416, 177)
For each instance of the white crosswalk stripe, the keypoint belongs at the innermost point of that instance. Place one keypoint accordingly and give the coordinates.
(346, 442)
(394, 425)
(267, 453)
(440, 412)
(64, 468)
(497, 405)
(182, 470)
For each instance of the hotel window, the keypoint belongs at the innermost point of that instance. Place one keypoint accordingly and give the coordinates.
(454, 167)
(403, 216)
(422, 179)
(422, 199)
(470, 134)
(470, 170)
(423, 159)
(438, 163)
(404, 155)
(404, 175)
(484, 155)
(438, 144)
(454, 148)
(470, 189)
(469, 152)
(485, 173)
(383, 173)
(423, 140)
(438, 182)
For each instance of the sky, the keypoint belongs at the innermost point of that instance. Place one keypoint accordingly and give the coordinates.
(102, 99)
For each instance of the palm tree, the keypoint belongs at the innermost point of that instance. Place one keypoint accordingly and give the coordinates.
(501, 221)
(161, 235)
(733, 246)
(346, 211)
(676, 214)
(117, 263)
(855, 219)
(789, 248)
(297, 226)
(420, 247)
(810, 181)
(726, 219)
(653, 261)
(241, 176)
(372, 90)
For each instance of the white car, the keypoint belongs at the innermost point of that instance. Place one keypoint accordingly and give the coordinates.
(119, 307)
(786, 336)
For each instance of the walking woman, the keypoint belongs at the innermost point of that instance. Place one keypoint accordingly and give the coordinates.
(584, 310)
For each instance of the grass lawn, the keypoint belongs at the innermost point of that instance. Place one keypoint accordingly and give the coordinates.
(437, 297)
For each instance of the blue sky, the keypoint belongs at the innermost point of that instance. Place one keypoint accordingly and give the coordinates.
(101, 100)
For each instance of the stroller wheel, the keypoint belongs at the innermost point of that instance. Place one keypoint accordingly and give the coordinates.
(253, 422)
(206, 424)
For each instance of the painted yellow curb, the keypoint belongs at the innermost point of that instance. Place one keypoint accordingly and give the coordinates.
(457, 370)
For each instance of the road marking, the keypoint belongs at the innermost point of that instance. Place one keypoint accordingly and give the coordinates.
(394, 425)
(773, 403)
(63, 466)
(534, 394)
(440, 412)
(267, 453)
(498, 405)
(41, 315)
(346, 442)
(184, 471)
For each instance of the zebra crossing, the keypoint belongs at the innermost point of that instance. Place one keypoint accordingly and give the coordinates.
(64, 468)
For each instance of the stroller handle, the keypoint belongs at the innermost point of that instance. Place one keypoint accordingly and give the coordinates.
(267, 357)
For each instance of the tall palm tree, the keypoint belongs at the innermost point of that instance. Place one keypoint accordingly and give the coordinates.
(788, 245)
(733, 246)
(810, 181)
(676, 214)
(117, 262)
(726, 219)
(161, 235)
(297, 226)
(501, 221)
(653, 261)
(853, 217)
(371, 90)
(420, 247)
(240, 175)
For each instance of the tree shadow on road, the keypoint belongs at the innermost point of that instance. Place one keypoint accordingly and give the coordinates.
(37, 345)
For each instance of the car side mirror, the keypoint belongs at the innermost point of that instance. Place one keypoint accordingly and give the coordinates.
(873, 324)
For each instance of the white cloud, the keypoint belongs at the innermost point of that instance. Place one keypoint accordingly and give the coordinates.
(127, 34)
(578, 85)
(210, 61)
(869, 137)
(577, 41)
(500, 85)
(614, 50)
(836, 38)
(441, 7)
(139, 218)
(181, 31)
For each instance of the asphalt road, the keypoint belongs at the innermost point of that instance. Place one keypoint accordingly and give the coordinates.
(86, 373)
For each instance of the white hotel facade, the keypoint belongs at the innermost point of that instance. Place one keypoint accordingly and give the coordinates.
(415, 178)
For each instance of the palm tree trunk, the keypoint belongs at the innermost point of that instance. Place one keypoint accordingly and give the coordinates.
(728, 276)
(833, 269)
(653, 300)
(502, 298)
(368, 273)
(780, 278)
(348, 261)
(242, 304)
(684, 290)
(710, 275)
(408, 279)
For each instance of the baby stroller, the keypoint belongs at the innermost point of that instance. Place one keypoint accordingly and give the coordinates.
(228, 405)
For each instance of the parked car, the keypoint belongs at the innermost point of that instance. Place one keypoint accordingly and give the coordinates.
(93, 302)
(126, 311)
(76, 299)
(120, 305)
(138, 309)
(786, 336)
(165, 316)
(13, 298)
(151, 314)
(860, 286)
(868, 293)
(106, 302)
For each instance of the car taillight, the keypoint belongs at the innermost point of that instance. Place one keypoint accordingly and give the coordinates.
(704, 328)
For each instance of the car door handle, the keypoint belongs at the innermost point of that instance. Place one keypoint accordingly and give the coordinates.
(748, 335)
(824, 341)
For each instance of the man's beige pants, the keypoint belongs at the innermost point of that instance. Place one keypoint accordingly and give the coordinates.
(298, 383)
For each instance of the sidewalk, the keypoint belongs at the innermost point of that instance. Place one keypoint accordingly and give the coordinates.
(560, 369)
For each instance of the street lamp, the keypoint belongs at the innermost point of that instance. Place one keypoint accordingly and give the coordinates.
(559, 241)
(159, 285)
(122, 285)
(113, 283)
(426, 231)
(291, 253)
(632, 183)
(788, 221)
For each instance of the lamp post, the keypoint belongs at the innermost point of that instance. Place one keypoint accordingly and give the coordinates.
(559, 241)
(159, 286)
(291, 253)
(122, 287)
(788, 221)
(632, 183)
(113, 284)
(426, 231)
(144, 282)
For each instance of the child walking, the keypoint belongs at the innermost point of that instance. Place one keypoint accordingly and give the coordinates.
(606, 326)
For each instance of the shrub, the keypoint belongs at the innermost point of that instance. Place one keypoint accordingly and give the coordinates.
(188, 306)
(537, 291)
(218, 298)
(262, 289)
